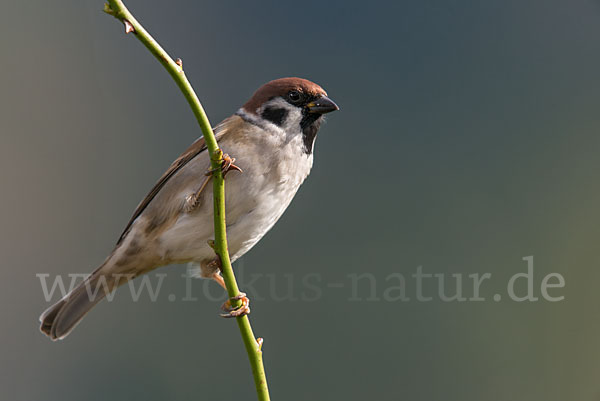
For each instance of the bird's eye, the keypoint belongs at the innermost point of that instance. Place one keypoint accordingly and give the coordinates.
(294, 96)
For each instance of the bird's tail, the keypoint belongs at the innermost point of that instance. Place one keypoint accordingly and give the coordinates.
(62, 317)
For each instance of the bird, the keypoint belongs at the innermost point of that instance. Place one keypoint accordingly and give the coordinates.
(272, 139)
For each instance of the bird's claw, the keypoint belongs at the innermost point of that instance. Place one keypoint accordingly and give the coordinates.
(226, 165)
(242, 310)
(192, 201)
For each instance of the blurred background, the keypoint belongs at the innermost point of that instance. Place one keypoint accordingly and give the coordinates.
(467, 140)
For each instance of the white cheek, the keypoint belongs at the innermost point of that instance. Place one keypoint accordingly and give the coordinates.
(291, 123)
(292, 120)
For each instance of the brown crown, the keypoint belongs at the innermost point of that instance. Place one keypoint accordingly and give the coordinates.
(281, 87)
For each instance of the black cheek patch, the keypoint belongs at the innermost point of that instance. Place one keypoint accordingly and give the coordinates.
(275, 115)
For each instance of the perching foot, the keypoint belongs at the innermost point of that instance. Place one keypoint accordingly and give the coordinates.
(242, 310)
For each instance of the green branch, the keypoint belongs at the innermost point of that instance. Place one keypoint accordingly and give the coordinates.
(117, 9)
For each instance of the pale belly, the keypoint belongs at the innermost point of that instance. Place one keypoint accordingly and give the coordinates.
(187, 239)
(255, 200)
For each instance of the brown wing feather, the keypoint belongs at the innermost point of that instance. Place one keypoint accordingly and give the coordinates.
(190, 153)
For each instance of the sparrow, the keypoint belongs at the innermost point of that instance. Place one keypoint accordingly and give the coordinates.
(272, 137)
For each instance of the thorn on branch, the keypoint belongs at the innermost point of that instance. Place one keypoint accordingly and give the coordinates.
(179, 62)
(259, 341)
(128, 27)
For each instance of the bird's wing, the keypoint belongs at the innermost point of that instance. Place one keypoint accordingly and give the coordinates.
(190, 153)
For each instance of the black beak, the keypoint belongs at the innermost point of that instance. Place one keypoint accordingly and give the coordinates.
(322, 105)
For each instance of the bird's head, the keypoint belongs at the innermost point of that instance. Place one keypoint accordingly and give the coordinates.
(294, 105)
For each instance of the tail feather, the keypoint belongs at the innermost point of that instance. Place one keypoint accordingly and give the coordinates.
(61, 318)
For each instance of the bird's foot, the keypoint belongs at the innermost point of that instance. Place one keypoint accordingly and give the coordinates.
(226, 166)
(241, 310)
(192, 201)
